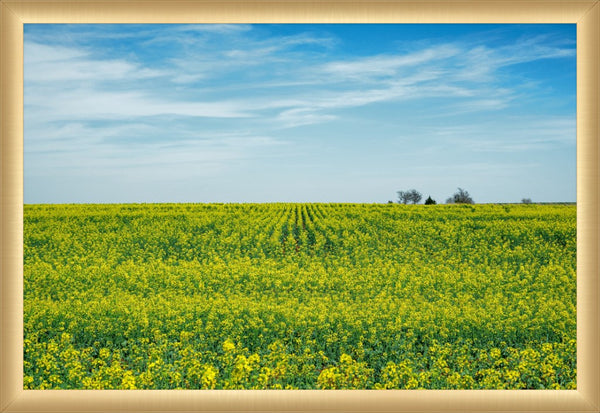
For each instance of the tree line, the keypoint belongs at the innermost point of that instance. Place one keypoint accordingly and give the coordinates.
(461, 196)
(412, 196)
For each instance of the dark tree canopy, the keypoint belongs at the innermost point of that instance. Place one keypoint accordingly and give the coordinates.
(430, 201)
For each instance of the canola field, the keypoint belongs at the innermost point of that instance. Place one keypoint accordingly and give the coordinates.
(299, 296)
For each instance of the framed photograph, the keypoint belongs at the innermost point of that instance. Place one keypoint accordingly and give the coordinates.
(300, 206)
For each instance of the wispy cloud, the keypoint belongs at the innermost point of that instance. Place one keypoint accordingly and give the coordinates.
(387, 66)
(521, 134)
(93, 104)
(438, 71)
(46, 64)
(481, 63)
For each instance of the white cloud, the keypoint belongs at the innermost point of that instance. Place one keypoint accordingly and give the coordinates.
(41, 53)
(521, 134)
(387, 65)
(90, 104)
(447, 70)
(481, 63)
(46, 64)
(259, 85)
(213, 28)
(302, 116)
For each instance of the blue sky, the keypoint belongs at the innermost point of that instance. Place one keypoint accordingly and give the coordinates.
(298, 113)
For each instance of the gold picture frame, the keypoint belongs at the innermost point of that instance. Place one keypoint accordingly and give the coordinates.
(585, 14)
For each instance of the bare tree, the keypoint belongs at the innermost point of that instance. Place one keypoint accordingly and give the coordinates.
(410, 196)
(403, 197)
(415, 196)
(460, 197)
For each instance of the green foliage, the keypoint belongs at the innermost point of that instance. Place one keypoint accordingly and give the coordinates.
(279, 296)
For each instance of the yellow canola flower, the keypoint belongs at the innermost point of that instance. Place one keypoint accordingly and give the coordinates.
(253, 296)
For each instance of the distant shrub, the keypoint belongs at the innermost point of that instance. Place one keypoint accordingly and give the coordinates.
(430, 201)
